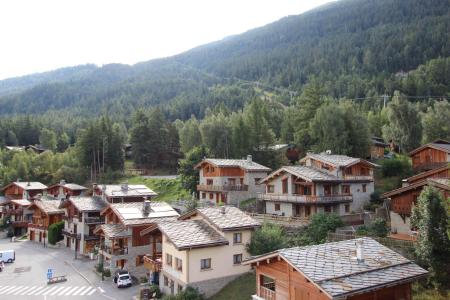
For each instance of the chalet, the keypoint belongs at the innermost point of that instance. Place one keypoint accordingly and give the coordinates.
(351, 269)
(23, 190)
(45, 213)
(19, 214)
(203, 249)
(36, 148)
(402, 200)
(3, 205)
(230, 180)
(120, 193)
(377, 148)
(63, 190)
(324, 183)
(121, 243)
(430, 156)
(82, 215)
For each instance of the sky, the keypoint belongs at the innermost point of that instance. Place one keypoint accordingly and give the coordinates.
(43, 35)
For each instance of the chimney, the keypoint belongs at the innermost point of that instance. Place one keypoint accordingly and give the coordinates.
(360, 250)
(405, 183)
(124, 186)
(222, 209)
(249, 158)
(62, 182)
(146, 207)
(28, 184)
(328, 152)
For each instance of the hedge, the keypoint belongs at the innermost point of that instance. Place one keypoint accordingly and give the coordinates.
(55, 232)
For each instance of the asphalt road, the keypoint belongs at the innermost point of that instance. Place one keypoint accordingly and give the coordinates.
(26, 278)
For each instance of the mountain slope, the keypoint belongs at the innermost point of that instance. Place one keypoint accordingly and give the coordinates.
(354, 48)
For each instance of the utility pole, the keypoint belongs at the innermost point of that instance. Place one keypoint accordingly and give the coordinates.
(385, 99)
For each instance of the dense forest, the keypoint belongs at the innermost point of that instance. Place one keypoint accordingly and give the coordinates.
(326, 79)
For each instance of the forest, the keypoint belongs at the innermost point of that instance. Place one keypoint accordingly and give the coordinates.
(327, 79)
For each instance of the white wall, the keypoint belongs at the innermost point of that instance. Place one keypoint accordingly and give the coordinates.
(359, 197)
(398, 225)
(285, 207)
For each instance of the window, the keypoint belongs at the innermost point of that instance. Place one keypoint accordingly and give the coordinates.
(237, 238)
(166, 281)
(257, 181)
(203, 195)
(284, 185)
(347, 208)
(168, 259)
(270, 188)
(364, 188)
(237, 259)
(211, 196)
(345, 189)
(205, 264)
(209, 182)
(277, 207)
(180, 288)
(178, 264)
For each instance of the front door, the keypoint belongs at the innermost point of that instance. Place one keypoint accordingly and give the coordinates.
(40, 237)
(67, 242)
(31, 235)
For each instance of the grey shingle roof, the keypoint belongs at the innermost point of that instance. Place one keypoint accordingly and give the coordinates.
(334, 159)
(92, 203)
(333, 267)
(22, 202)
(232, 219)
(132, 213)
(241, 163)
(30, 185)
(49, 206)
(310, 173)
(131, 190)
(191, 234)
(443, 181)
(113, 230)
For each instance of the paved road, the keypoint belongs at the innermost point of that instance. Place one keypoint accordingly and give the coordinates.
(26, 278)
(161, 177)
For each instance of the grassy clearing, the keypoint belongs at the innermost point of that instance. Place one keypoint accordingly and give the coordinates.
(241, 288)
(419, 293)
(168, 189)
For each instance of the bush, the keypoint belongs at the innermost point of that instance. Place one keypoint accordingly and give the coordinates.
(378, 228)
(55, 232)
(189, 293)
(268, 238)
(398, 166)
(317, 231)
(107, 272)
(155, 289)
(143, 279)
(99, 268)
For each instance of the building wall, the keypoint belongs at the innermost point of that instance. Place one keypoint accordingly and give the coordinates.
(285, 208)
(359, 197)
(399, 224)
(429, 155)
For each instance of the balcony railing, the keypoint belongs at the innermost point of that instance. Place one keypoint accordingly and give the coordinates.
(71, 234)
(358, 177)
(21, 224)
(36, 226)
(9, 212)
(220, 188)
(267, 291)
(306, 198)
(116, 251)
(91, 237)
(152, 263)
(94, 220)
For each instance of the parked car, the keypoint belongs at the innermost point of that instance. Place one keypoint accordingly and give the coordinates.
(7, 256)
(122, 279)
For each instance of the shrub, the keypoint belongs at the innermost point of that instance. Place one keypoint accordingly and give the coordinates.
(268, 238)
(99, 267)
(398, 166)
(379, 228)
(155, 289)
(321, 225)
(107, 272)
(55, 232)
(143, 279)
(189, 293)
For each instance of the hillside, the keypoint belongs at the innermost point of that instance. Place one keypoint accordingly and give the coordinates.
(354, 48)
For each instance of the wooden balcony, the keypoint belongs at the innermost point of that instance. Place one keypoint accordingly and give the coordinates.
(294, 198)
(153, 264)
(267, 291)
(91, 237)
(115, 251)
(37, 226)
(20, 224)
(10, 212)
(358, 177)
(94, 220)
(222, 188)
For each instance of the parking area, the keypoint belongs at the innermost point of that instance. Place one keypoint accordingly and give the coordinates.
(27, 277)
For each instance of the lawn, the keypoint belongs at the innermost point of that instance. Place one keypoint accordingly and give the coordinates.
(241, 288)
(168, 189)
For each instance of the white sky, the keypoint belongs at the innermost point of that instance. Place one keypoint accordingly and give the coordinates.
(42, 35)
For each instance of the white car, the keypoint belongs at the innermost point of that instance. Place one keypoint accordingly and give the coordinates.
(123, 279)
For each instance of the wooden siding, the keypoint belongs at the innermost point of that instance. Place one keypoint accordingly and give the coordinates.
(402, 203)
(212, 171)
(137, 239)
(358, 169)
(13, 191)
(54, 191)
(321, 165)
(427, 158)
(445, 173)
(376, 152)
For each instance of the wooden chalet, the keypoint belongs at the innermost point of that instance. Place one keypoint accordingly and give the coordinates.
(64, 190)
(23, 190)
(19, 214)
(377, 148)
(45, 213)
(352, 269)
(430, 156)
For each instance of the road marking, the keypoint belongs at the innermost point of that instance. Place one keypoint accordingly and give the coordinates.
(101, 290)
(91, 292)
(56, 291)
(13, 290)
(49, 290)
(79, 290)
(62, 292)
(31, 292)
(3, 288)
(85, 291)
(45, 288)
(26, 288)
(71, 291)
(8, 288)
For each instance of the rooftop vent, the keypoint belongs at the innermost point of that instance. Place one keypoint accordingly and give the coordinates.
(146, 207)
(405, 182)
(28, 184)
(328, 152)
(360, 251)
(249, 158)
(124, 186)
(62, 182)
(222, 209)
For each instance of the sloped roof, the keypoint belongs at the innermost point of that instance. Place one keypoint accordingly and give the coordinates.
(438, 144)
(28, 185)
(50, 207)
(132, 213)
(70, 186)
(225, 218)
(244, 164)
(129, 190)
(92, 203)
(337, 160)
(428, 173)
(22, 202)
(439, 182)
(305, 172)
(190, 234)
(335, 270)
(112, 230)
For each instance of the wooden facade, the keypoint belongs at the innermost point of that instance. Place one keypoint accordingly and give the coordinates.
(278, 280)
(54, 191)
(427, 158)
(210, 170)
(13, 191)
(442, 172)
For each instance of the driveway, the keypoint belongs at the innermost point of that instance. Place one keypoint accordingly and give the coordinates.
(26, 278)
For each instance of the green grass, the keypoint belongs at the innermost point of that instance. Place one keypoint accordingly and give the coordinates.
(239, 289)
(168, 189)
(419, 293)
